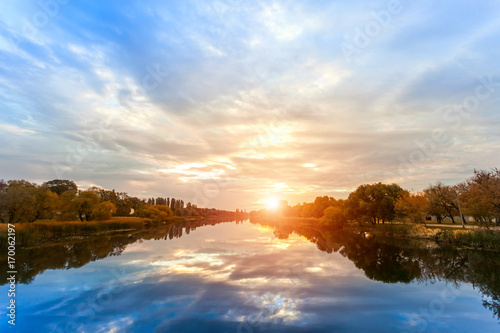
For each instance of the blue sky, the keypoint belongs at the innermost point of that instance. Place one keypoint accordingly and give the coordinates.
(228, 103)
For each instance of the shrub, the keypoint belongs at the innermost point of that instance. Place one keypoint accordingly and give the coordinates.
(157, 213)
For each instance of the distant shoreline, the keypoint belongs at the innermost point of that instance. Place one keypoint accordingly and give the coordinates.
(41, 232)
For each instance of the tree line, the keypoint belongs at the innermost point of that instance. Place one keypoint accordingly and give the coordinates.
(477, 197)
(60, 199)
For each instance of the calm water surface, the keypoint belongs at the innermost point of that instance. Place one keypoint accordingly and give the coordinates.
(248, 277)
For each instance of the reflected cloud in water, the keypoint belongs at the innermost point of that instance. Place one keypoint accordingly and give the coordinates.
(252, 278)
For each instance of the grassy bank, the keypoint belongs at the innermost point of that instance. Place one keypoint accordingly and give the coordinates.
(476, 238)
(28, 234)
(471, 238)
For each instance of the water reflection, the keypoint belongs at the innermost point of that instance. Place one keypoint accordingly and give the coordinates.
(254, 277)
(396, 260)
(77, 253)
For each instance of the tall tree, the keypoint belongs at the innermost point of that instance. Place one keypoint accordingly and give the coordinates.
(413, 206)
(19, 204)
(443, 198)
(60, 186)
(373, 202)
(481, 196)
(322, 203)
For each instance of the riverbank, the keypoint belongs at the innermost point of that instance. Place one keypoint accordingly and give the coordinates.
(467, 238)
(36, 233)
(442, 235)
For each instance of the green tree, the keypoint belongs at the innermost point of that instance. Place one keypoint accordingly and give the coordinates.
(334, 217)
(60, 186)
(322, 203)
(373, 202)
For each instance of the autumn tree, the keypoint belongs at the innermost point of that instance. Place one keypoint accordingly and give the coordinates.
(84, 205)
(48, 203)
(307, 210)
(158, 213)
(121, 200)
(481, 196)
(78, 204)
(60, 186)
(66, 204)
(413, 206)
(19, 202)
(103, 211)
(443, 199)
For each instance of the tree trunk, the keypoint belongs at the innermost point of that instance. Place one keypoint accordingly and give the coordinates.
(463, 220)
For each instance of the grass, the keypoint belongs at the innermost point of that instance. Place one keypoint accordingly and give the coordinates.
(473, 238)
(38, 232)
(477, 238)
(400, 230)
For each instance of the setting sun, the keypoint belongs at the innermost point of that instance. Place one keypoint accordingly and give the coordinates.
(226, 165)
(272, 203)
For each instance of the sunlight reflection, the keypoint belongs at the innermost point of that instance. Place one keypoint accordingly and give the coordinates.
(281, 246)
(314, 269)
(275, 308)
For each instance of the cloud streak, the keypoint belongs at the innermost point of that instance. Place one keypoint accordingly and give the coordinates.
(251, 91)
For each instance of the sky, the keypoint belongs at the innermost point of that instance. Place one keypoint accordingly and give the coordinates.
(230, 103)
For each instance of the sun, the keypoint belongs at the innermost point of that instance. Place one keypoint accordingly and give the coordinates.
(273, 203)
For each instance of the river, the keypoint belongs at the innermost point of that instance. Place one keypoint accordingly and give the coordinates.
(240, 276)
